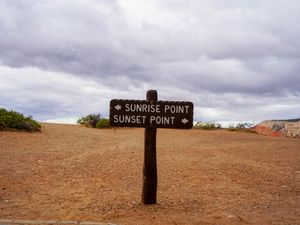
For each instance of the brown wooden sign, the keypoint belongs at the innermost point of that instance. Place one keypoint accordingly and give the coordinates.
(151, 114)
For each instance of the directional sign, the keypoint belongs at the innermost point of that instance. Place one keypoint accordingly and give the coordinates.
(151, 114)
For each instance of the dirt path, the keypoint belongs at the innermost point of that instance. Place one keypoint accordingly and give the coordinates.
(204, 177)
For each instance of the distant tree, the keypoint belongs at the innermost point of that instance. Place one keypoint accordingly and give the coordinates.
(90, 120)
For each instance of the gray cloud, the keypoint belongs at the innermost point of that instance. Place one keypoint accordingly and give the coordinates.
(227, 56)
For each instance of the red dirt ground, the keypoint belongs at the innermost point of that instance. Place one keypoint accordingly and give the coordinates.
(69, 172)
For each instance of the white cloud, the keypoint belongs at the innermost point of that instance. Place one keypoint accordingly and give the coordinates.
(235, 60)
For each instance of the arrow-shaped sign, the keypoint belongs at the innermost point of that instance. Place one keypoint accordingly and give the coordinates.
(184, 121)
(118, 107)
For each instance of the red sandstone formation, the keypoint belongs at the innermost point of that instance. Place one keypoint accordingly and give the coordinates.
(278, 128)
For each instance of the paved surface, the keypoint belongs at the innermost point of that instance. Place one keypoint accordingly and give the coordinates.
(40, 222)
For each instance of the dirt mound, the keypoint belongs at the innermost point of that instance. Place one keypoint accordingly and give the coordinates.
(279, 128)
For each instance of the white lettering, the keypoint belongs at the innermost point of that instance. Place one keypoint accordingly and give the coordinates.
(165, 120)
(152, 118)
(176, 109)
(142, 108)
(187, 108)
(129, 119)
(167, 107)
(115, 118)
(180, 109)
(152, 108)
(145, 108)
(172, 119)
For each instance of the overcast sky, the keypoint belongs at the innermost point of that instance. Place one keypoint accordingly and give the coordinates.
(236, 60)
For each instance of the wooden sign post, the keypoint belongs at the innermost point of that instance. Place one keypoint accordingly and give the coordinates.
(150, 165)
(151, 114)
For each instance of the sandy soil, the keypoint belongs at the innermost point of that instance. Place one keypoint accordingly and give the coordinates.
(69, 172)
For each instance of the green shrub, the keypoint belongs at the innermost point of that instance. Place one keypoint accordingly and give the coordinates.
(90, 120)
(244, 125)
(15, 120)
(246, 130)
(208, 125)
(103, 123)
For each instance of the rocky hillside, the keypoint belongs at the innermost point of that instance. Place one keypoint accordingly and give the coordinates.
(288, 128)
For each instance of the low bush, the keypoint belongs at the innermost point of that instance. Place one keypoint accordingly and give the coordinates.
(14, 120)
(244, 125)
(94, 121)
(246, 130)
(90, 120)
(207, 125)
(247, 127)
(103, 123)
